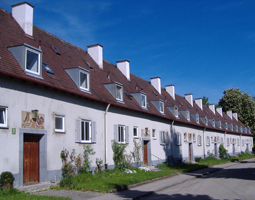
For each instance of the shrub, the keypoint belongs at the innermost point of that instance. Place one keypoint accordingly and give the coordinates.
(67, 181)
(198, 159)
(87, 152)
(223, 152)
(99, 163)
(118, 154)
(67, 160)
(137, 152)
(7, 178)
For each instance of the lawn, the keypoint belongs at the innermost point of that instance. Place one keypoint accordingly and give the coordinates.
(14, 194)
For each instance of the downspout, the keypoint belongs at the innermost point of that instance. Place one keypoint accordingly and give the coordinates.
(105, 134)
(172, 137)
(225, 139)
(204, 142)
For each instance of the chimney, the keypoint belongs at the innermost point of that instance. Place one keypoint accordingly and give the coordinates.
(235, 116)
(219, 110)
(171, 90)
(229, 113)
(189, 98)
(199, 102)
(212, 108)
(156, 83)
(123, 66)
(23, 14)
(96, 52)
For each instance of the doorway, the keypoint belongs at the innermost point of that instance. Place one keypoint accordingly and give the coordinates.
(234, 150)
(190, 152)
(145, 152)
(31, 159)
(215, 150)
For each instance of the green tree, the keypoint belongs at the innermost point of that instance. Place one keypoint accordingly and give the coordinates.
(205, 101)
(234, 99)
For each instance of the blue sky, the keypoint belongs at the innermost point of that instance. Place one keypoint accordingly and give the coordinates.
(202, 47)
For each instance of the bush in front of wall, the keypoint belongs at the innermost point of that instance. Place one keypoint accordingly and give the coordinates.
(223, 152)
(7, 179)
(118, 154)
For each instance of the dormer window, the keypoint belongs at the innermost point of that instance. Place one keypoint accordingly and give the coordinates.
(206, 120)
(213, 122)
(197, 118)
(236, 127)
(161, 107)
(245, 129)
(116, 90)
(226, 125)
(144, 101)
(187, 115)
(84, 80)
(32, 62)
(176, 113)
(29, 58)
(220, 124)
(119, 92)
(231, 126)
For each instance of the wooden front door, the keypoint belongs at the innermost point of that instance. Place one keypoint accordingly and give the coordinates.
(145, 152)
(31, 158)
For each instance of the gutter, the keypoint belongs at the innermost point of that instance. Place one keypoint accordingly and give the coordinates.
(105, 135)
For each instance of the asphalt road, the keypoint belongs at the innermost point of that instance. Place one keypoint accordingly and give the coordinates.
(236, 182)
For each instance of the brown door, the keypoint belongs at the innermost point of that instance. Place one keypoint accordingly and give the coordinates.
(31, 158)
(190, 152)
(145, 153)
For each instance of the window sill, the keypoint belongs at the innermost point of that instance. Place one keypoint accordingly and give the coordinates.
(136, 137)
(59, 131)
(85, 142)
(154, 138)
(4, 127)
(33, 74)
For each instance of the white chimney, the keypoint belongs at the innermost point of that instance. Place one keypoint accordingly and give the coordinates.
(229, 113)
(96, 52)
(23, 14)
(212, 108)
(219, 110)
(189, 98)
(156, 83)
(123, 66)
(235, 116)
(199, 102)
(171, 90)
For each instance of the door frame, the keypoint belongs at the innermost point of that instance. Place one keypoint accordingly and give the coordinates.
(148, 150)
(42, 153)
(190, 149)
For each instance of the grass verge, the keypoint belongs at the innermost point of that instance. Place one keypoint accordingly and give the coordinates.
(14, 194)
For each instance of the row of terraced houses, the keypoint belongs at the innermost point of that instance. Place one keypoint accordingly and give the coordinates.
(56, 96)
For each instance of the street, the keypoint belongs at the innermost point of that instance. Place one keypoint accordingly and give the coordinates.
(236, 182)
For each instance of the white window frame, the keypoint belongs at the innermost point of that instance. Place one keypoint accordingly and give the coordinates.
(238, 142)
(62, 130)
(154, 134)
(206, 121)
(220, 124)
(161, 106)
(188, 115)
(194, 137)
(221, 140)
(5, 117)
(242, 142)
(87, 80)
(178, 139)
(39, 63)
(163, 137)
(135, 128)
(213, 122)
(197, 118)
(145, 100)
(207, 140)
(120, 93)
(199, 140)
(228, 143)
(176, 112)
(123, 137)
(226, 125)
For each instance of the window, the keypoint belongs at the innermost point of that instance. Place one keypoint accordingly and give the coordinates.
(154, 133)
(32, 63)
(84, 80)
(238, 143)
(143, 102)
(185, 137)
(197, 118)
(194, 137)
(135, 132)
(242, 142)
(47, 68)
(176, 114)
(178, 139)
(199, 143)
(207, 141)
(163, 137)
(119, 92)
(187, 115)
(231, 126)
(221, 140)
(213, 122)
(161, 107)
(85, 131)
(236, 128)
(227, 141)
(121, 134)
(206, 121)
(226, 125)
(3, 117)
(59, 123)
(219, 124)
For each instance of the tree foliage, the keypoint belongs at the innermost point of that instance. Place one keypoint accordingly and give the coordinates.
(234, 99)
(205, 101)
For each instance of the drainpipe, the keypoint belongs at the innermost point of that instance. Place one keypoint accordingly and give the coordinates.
(172, 137)
(225, 140)
(105, 134)
(204, 142)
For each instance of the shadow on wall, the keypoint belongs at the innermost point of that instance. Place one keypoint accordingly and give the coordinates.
(174, 148)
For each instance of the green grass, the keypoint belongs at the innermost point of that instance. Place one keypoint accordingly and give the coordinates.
(14, 194)
(104, 182)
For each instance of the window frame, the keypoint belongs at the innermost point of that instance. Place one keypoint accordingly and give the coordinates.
(87, 80)
(124, 134)
(116, 92)
(206, 121)
(39, 63)
(176, 112)
(207, 140)
(154, 134)
(163, 137)
(188, 115)
(90, 131)
(199, 140)
(5, 117)
(145, 100)
(197, 118)
(135, 128)
(63, 124)
(161, 107)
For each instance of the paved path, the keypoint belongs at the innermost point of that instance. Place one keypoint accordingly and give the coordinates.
(140, 191)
